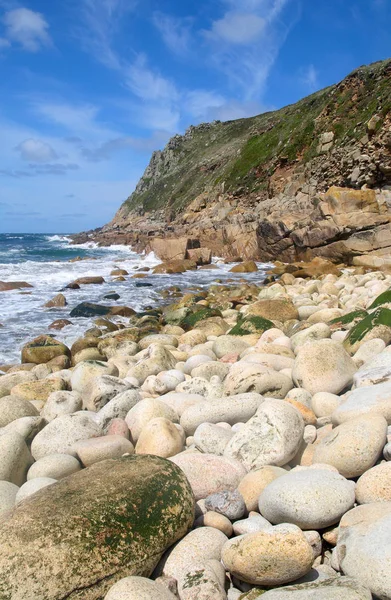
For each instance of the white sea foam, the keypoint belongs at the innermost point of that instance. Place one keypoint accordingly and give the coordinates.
(22, 312)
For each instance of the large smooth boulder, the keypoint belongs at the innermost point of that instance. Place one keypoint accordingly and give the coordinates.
(364, 547)
(10, 380)
(15, 458)
(157, 359)
(56, 466)
(78, 537)
(189, 562)
(340, 588)
(310, 498)
(275, 309)
(87, 371)
(354, 446)
(59, 436)
(375, 485)
(233, 409)
(271, 557)
(42, 349)
(208, 473)
(372, 399)
(161, 437)
(251, 377)
(61, 403)
(13, 407)
(272, 437)
(323, 366)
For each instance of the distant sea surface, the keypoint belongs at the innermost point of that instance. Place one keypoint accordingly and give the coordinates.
(43, 261)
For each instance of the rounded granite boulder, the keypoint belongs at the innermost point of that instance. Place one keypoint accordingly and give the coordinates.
(76, 538)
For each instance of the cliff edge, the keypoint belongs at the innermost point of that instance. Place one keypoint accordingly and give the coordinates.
(311, 179)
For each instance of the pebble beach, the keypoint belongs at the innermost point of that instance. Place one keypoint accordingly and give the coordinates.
(231, 443)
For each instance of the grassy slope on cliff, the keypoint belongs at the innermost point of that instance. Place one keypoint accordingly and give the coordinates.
(244, 153)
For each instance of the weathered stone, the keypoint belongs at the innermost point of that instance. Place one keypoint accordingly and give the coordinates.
(375, 485)
(310, 498)
(354, 446)
(42, 349)
(111, 520)
(271, 437)
(15, 458)
(13, 407)
(234, 409)
(364, 548)
(138, 588)
(62, 433)
(323, 366)
(249, 377)
(270, 557)
(208, 473)
(277, 309)
(341, 588)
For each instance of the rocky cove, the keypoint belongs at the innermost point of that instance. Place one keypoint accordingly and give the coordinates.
(230, 440)
(233, 443)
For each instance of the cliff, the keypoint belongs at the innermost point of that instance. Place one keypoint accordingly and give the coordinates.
(260, 187)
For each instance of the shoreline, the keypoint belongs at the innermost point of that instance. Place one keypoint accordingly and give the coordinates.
(241, 387)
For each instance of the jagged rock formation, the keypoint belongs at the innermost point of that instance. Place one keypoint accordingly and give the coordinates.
(260, 187)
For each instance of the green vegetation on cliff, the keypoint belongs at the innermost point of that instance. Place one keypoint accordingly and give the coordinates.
(240, 156)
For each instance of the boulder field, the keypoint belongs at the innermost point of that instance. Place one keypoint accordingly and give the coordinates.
(233, 444)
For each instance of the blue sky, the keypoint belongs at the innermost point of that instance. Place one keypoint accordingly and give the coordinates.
(89, 88)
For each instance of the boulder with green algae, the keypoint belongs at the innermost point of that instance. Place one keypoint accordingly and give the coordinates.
(76, 538)
(250, 325)
(42, 349)
(375, 325)
(198, 314)
(341, 588)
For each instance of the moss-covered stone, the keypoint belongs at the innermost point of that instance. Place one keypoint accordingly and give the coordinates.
(197, 314)
(251, 325)
(76, 538)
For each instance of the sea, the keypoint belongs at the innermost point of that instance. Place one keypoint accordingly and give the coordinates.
(43, 260)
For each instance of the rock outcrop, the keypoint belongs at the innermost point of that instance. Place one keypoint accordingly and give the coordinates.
(310, 180)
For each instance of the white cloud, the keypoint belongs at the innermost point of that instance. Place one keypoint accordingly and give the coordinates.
(27, 28)
(175, 32)
(309, 77)
(245, 45)
(4, 43)
(36, 151)
(147, 84)
(238, 28)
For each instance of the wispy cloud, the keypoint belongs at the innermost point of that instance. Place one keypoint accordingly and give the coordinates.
(237, 28)
(36, 151)
(101, 20)
(245, 44)
(148, 84)
(176, 32)
(309, 76)
(27, 28)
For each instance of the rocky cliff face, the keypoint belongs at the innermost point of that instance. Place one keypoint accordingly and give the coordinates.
(312, 179)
